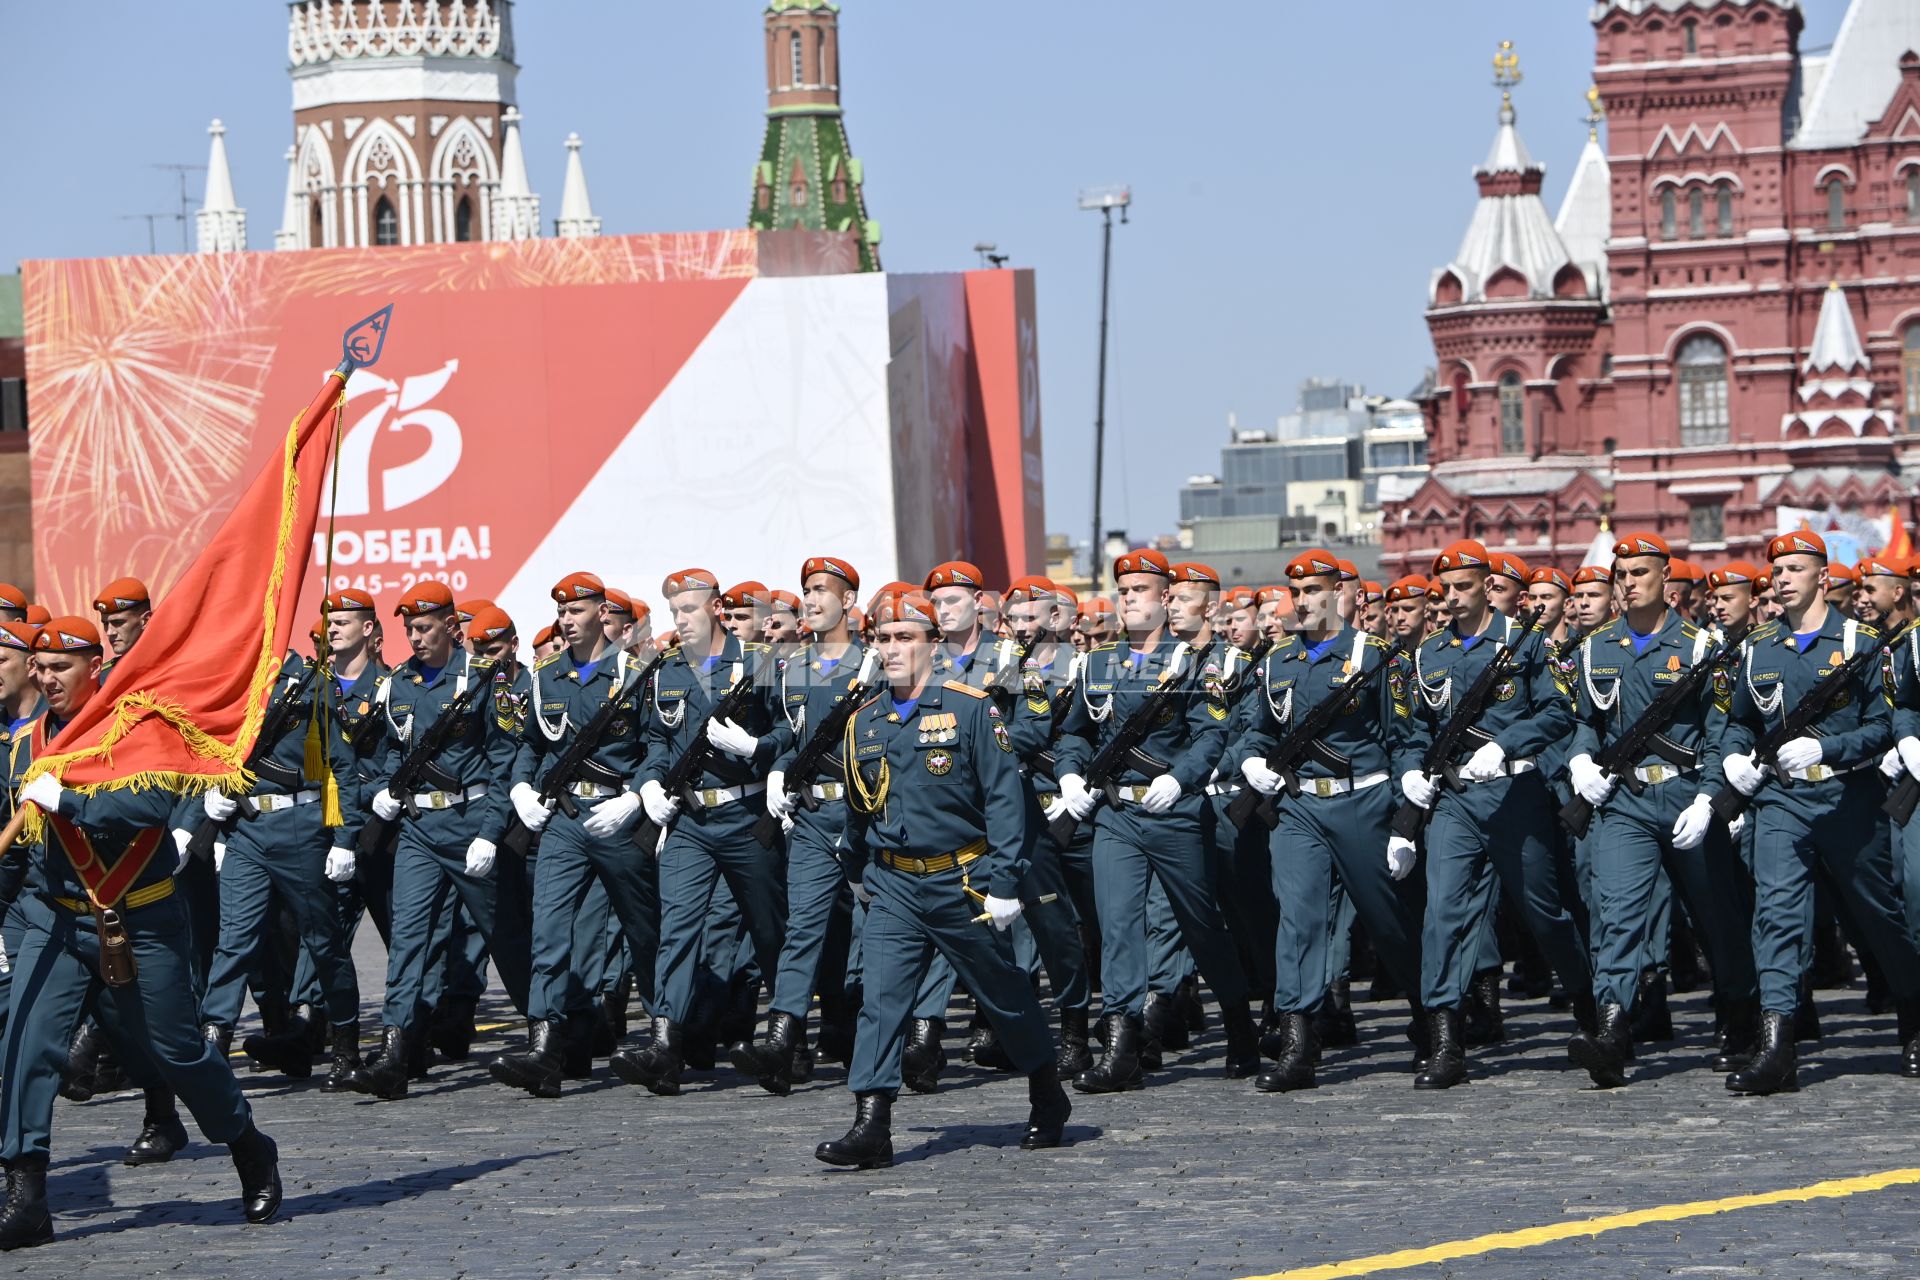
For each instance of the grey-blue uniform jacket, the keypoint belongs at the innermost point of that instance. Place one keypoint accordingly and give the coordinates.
(557, 703)
(1527, 714)
(1775, 675)
(1289, 683)
(683, 693)
(1613, 686)
(1189, 735)
(809, 689)
(477, 753)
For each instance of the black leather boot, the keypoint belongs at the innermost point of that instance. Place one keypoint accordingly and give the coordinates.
(1243, 1040)
(108, 1075)
(1118, 1070)
(924, 1058)
(1908, 1012)
(535, 1068)
(1604, 1053)
(1739, 1036)
(1806, 1017)
(161, 1133)
(1190, 1006)
(1773, 1069)
(576, 1047)
(1163, 1023)
(1293, 1068)
(451, 1031)
(770, 1062)
(387, 1078)
(869, 1143)
(83, 1058)
(986, 1050)
(1336, 1026)
(836, 1028)
(258, 1161)
(1420, 1035)
(1074, 1056)
(221, 1038)
(1482, 1022)
(1447, 1066)
(288, 1050)
(345, 1073)
(25, 1220)
(655, 1065)
(1048, 1109)
(1652, 1021)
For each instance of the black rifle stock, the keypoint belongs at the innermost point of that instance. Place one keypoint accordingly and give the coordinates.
(1409, 820)
(1619, 757)
(413, 768)
(684, 772)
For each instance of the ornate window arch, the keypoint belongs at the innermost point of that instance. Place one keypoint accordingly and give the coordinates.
(1700, 369)
(315, 169)
(462, 167)
(381, 162)
(1513, 412)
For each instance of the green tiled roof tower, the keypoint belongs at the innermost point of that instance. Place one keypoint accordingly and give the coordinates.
(807, 176)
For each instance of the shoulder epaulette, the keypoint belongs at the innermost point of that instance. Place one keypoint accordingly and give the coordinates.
(1108, 647)
(549, 660)
(1375, 642)
(1866, 632)
(753, 646)
(1607, 630)
(1433, 635)
(961, 687)
(1765, 631)
(1688, 628)
(479, 663)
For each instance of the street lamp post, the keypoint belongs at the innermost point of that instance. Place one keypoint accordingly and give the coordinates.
(1106, 200)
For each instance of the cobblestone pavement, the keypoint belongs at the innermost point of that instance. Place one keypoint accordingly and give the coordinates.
(1193, 1176)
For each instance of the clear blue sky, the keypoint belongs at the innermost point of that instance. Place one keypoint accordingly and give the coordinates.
(1298, 168)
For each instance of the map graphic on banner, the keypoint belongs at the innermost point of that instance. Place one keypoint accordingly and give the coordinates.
(1849, 535)
(630, 405)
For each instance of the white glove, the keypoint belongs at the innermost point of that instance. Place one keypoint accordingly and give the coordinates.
(611, 817)
(480, 859)
(1738, 825)
(1485, 764)
(1742, 774)
(219, 805)
(1695, 821)
(779, 803)
(1053, 808)
(731, 738)
(786, 825)
(219, 855)
(339, 864)
(1419, 787)
(1080, 802)
(1260, 777)
(661, 807)
(1891, 765)
(1401, 856)
(44, 791)
(1590, 780)
(385, 806)
(860, 892)
(1909, 749)
(1800, 753)
(1003, 911)
(1162, 792)
(180, 839)
(526, 803)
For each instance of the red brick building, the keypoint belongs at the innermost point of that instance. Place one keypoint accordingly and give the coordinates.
(1722, 320)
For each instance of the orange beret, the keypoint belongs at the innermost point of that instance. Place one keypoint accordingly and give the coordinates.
(489, 623)
(17, 635)
(1737, 574)
(617, 600)
(1799, 542)
(786, 600)
(66, 635)
(904, 606)
(1510, 566)
(1838, 573)
(1884, 565)
(1068, 594)
(1189, 571)
(1642, 544)
(1464, 554)
(1239, 598)
(12, 597)
(1096, 607)
(39, 615)
(546, 636)
(990, 601)
(1274, 595)
(578, 586)
(1413, 587)
(1549, 578)
(1372, 591)
(121, 593)
(1679, 570)
(892, 588)
(1143, 560)
(425, 596)
(829, 564)
(1313, 563)
(689, 580)
(1032, 588)
(667, 639)
(742, 595)
(1763, 581)
(955, 573)
(1349, 572)
(1592, 573)
(350, 600)
(466, 609)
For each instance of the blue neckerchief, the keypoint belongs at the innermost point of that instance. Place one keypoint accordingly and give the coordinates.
(903, 709)
(585, 671)
(1803, 640)
(1314, 652)
(1641, 642)
(706, 664)
(429, 674)
(1137, 658)
(343, 683)
(827, 665)
(961, 661)
(1467, 642)
(15, 727)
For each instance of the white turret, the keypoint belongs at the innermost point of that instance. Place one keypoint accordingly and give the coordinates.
(576, 210)
(516, 209)
(222, 223)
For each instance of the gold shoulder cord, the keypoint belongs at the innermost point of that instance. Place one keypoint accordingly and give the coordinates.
(863, 798)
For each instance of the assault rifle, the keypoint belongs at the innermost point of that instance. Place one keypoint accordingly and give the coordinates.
(1300, 742)
(819, 747)
(686, 771)
(1409, 820)
(418, 768)
(1123, 748)
(1729, 802)
(1618, 758)
(273, 726)
(556, 787)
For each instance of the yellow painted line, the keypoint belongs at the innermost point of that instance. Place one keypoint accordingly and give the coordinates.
(1530, 1237)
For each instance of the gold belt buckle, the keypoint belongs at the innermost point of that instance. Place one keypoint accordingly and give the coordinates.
(438, 800)
(829, 791)
(1656, 773)
(1323, 787)
(1819, 772)
(709, 797)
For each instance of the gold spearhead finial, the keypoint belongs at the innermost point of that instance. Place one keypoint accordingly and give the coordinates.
(1506, 69)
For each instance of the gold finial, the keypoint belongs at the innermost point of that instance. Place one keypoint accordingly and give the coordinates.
(1596, 112)
(1506, 70)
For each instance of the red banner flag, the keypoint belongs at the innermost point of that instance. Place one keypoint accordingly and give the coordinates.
(1899, 542)
(182, 709)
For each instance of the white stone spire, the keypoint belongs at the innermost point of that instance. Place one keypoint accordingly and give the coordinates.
(516, 209)
(1586, 216)
(1511, 243)
(1836, 390)
(292, 216)
(576, 210)
(222, 223)
(1836, 342)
